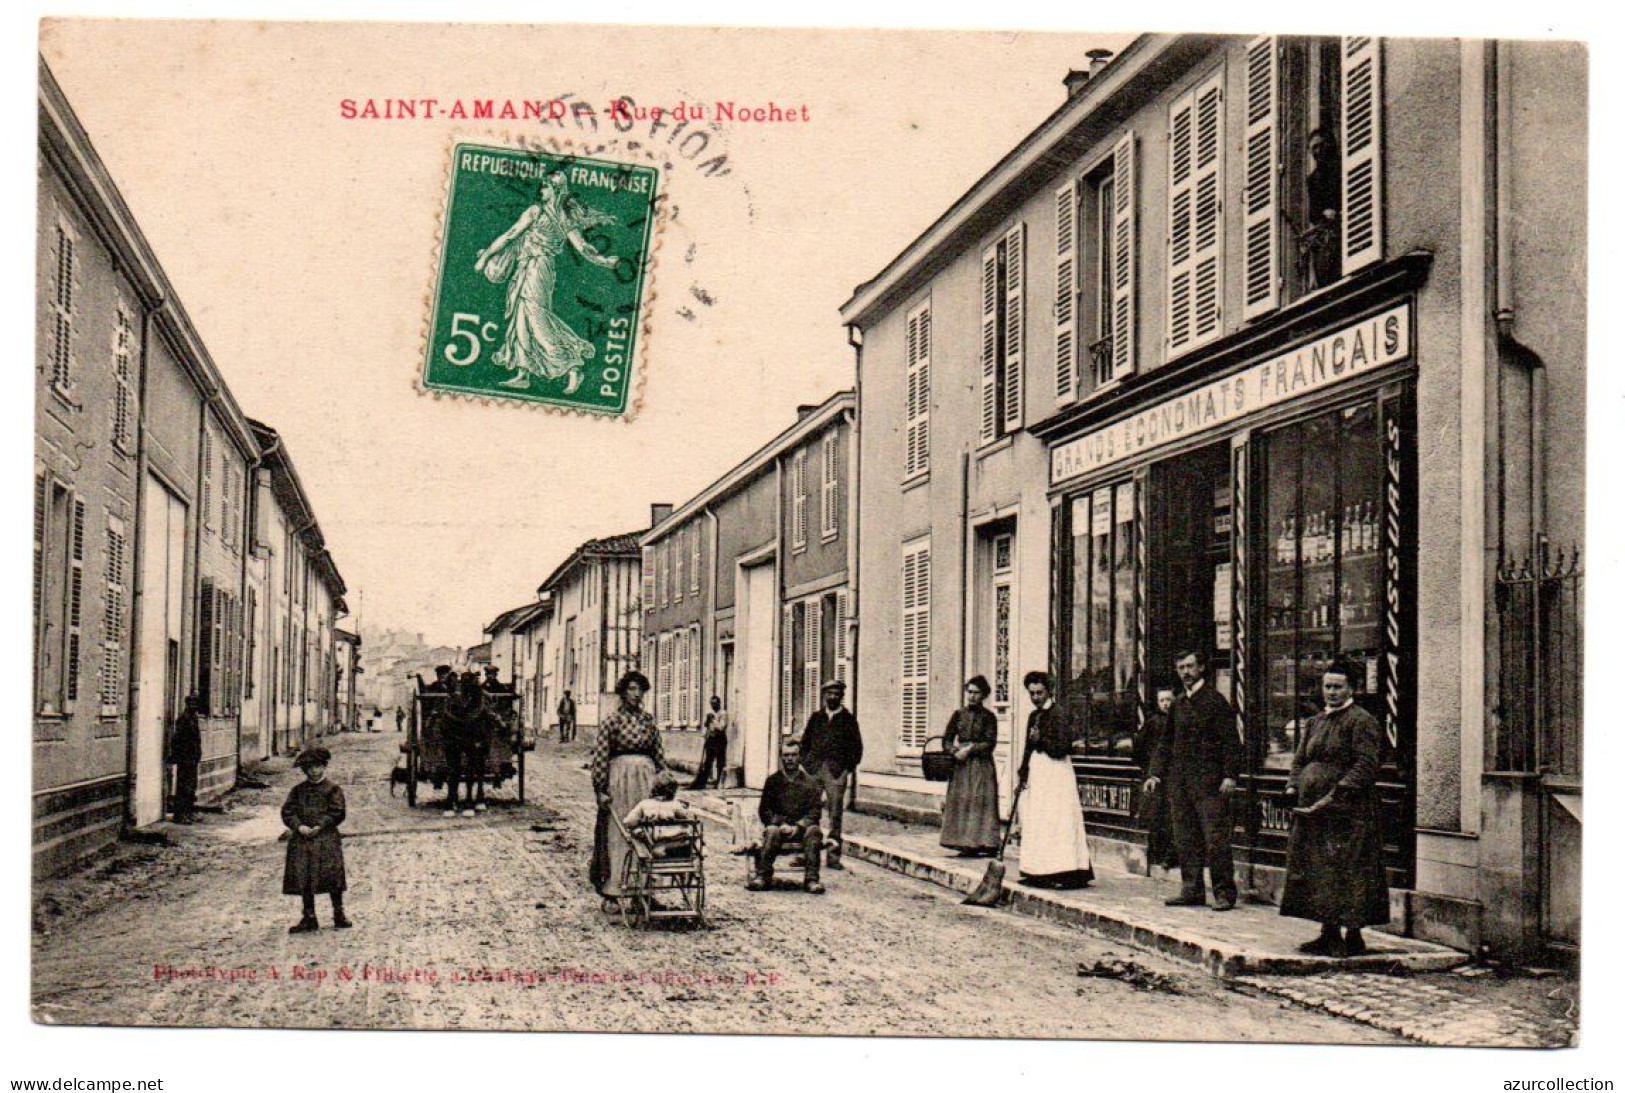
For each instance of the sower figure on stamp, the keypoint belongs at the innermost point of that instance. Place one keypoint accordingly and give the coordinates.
(1334, 872)
(831, 749)
(312, 814)
(1196, 765)
(186, 752)
(791, 806)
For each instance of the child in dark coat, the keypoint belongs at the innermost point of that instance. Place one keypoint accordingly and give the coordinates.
(313, 813)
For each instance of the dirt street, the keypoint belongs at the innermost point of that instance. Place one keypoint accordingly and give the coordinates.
(486, 923)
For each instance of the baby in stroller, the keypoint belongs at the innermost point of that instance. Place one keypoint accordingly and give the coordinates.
(659, 822)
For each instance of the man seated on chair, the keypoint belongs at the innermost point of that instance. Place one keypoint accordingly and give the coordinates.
(791, 807)
(651, 820)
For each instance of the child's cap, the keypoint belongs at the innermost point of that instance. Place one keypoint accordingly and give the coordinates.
(311, 757)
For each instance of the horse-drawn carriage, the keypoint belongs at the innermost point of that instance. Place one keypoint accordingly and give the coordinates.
(425, 744)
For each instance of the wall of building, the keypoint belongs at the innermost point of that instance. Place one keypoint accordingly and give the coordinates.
(747, 521)
(80, 741)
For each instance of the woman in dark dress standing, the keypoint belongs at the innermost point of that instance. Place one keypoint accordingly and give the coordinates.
(1334, 873)
(626, 755)
(970, 815)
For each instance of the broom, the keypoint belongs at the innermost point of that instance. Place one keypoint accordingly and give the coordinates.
(988, 892)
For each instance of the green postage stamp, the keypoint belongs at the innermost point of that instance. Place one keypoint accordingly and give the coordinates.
(541, 286)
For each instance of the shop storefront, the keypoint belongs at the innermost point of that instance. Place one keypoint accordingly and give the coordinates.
(1262, 514)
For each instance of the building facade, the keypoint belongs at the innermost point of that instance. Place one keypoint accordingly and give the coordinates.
(748, 592)
(144, 487)
(1214, 359)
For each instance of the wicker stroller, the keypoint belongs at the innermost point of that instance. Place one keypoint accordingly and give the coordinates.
(663, 873)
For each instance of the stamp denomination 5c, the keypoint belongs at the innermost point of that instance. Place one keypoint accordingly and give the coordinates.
(541, 285)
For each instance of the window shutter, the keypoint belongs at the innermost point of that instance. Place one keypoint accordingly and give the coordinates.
(124, 395)
(831, 495)
(696, 688)
(208, 478)
(694, 558)
(1066, 292)
(990, 344)
(842, 638)
(1195, 235)
(815, 653)
(1015, 324)
(663, 682)
(113, 621)
(798, 499)
(1261, 275)
(678, 585)
(62, 348)
(787, 682)
(916, 674)
(40, 486)
(76, 598)
(205, 647)
(679, 670)
(649, 576)
(1362, 152)
(1125, 200)
(218, 701)
(917, 436)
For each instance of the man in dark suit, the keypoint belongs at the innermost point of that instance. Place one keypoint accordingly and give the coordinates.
(792, 804)
(1196, 764)
(831, 749)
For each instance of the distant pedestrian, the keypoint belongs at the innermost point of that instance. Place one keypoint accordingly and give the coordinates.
(1054, 843)
(567, 718)
(1334, 873)
(715, 759)
(400, 719)
(1159, 840)
(970, 812)
(792, 803)
(186, 752)
(315, 864)
(1197, 765)
(831, 749)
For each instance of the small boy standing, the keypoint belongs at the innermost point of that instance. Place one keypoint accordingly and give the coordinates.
(313, 813)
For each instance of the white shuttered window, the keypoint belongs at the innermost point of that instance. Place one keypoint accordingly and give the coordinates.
(1362, 152)
(1066, 293)
(1125, 199)
(1003, 334)
(917, 403)
(830, 493)
(798, 499)
(916, 646)
(1195, 216)
(1261, 160)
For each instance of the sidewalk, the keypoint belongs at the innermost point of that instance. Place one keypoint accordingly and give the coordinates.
(1422, 991)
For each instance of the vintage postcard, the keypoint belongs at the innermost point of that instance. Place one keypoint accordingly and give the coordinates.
(809, 532)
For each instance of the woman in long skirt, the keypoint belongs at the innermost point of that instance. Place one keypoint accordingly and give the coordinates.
(970, 814)
(626, 756)
(1054, 844)
(1334, 873)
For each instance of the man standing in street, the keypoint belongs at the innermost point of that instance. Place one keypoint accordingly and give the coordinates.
(715, 759)
(186, 751)
(1196, 764)
(567, 718)
(831, 749)
(792, 804)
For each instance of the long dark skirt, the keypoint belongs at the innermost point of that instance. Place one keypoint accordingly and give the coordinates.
(630, 779)
(315, 864)
(1334, 871)
(970, 814)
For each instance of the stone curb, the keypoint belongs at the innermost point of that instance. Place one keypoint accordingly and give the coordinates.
(1218, 959)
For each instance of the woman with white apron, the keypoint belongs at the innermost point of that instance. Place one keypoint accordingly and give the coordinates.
(1054, 845)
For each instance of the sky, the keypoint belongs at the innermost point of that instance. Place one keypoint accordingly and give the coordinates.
(303, 244)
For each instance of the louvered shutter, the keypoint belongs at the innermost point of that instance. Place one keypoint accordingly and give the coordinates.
(1195, 216)
(648, 577)
(694, 558)
(831, 494)
(1125, 200)
(917, 430)
(1362, 152)
(1261, 272)
(787, 682)
(990, 345)
(663, 677)
(40, 487)
(124, 395)
(1066, 292)
(76, 598)
(208, 478)
(842, 638)
(205, 648)
(1015, 324)
(113, 621)
(813, 620)
(679, 671)
(798, 497)
(66, 274)
(916, 645)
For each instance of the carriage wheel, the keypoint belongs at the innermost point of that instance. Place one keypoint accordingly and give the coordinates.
(411, 779)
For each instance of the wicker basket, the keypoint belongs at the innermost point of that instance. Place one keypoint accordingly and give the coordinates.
(936, 764)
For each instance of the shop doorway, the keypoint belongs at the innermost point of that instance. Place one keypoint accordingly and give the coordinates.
(1189, 590)
(157, 663)
(995, 640)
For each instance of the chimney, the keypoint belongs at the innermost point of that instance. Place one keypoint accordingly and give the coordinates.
(1098, 59)
(806, 408)
(1076, 80)
(658, 512)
